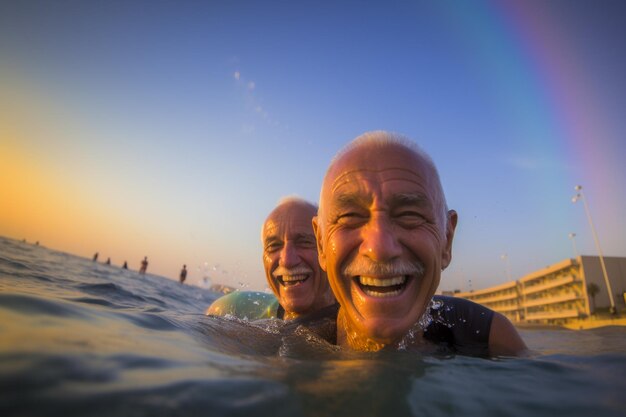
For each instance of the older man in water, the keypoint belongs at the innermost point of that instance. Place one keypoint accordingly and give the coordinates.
(291, 268)
(384, 235)
(290, 260)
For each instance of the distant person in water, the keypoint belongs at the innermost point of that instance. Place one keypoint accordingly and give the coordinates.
(183, 274)
(144, 265)
(95, 256)
(125, 266)
(108, 262)
(291, 268)
(384, 234)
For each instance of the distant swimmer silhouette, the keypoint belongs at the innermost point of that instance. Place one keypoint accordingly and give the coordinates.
(144, 265)
(125, 266)
(108, 262)
(183, 274)
(95, 256)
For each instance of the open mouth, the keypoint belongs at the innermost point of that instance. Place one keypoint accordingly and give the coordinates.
(382, 287)
(292, 280)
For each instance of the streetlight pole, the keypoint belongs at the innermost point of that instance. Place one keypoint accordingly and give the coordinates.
(507, 265)
(577, 197)
(573, 237)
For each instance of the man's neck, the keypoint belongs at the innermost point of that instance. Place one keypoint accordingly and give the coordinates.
(348, 337)
(292, 315)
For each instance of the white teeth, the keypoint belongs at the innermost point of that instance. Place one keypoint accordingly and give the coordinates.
(381, 294)
(382, 282)
(294, 278)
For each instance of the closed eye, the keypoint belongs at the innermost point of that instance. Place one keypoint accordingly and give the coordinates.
(351, 219)
(410, 218)
(306, 243)
(273, 246)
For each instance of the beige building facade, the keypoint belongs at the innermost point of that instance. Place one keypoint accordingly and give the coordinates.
(570, 289)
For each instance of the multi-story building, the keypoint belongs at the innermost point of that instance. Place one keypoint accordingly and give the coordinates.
(570, 289)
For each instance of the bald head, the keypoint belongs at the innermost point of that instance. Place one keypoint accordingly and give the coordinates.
(285, 208)
(371, 143)
(290, 258)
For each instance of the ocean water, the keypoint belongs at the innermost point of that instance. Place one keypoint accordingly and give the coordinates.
(79, 338)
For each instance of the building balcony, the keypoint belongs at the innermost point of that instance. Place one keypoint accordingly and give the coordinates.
(505, 309)
(557, 298)
(553, 283)
(494, 298)
(548, 315)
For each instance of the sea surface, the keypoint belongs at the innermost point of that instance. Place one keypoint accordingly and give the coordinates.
(80, 338)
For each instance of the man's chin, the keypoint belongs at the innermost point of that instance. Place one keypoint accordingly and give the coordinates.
(295, 306)
(385, 331)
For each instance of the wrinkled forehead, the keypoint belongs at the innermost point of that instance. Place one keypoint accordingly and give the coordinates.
(362, 168)
(285, 222)
(364, 178)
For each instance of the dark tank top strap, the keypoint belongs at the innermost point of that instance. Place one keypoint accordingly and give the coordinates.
(460, 324)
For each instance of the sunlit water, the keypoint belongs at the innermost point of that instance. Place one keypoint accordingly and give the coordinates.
(80, 338)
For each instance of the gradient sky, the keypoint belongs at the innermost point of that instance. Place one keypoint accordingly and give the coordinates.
(171, 129)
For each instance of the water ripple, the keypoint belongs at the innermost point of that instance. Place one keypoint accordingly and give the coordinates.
(28, 304)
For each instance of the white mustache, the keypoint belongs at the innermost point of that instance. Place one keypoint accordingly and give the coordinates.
(366, 267)
(298, 270)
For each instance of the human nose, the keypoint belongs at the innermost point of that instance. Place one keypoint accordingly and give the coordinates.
(379, 243)
(289, 256)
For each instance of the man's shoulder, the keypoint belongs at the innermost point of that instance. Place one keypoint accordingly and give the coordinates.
(458, 301)
(462, 324)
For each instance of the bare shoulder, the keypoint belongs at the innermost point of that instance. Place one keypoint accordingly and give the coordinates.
(504, 340)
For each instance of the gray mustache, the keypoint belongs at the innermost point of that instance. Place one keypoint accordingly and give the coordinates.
(366, 267)
(292, 271)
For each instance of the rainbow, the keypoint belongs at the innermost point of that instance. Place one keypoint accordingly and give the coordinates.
(555, 100)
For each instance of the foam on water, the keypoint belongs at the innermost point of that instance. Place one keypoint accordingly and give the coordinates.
(81, 338)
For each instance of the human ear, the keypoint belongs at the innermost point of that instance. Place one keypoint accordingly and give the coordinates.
(446, 255)
(321, 258)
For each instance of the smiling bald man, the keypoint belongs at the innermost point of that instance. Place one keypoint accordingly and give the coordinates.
(384, 234)
(302, 295)
(290, 260)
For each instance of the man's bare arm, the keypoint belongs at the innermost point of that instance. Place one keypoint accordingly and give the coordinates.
(504, 340)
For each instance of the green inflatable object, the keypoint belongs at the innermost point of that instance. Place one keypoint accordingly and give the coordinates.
(246, 305)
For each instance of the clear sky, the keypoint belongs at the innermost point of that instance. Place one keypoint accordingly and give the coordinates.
(170, 129)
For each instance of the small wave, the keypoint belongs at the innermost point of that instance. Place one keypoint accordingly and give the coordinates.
(15, 264)
(228, 397)
(38, 371)
(28, 304)
(149, 321)
(117, 293)
(95, 301)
